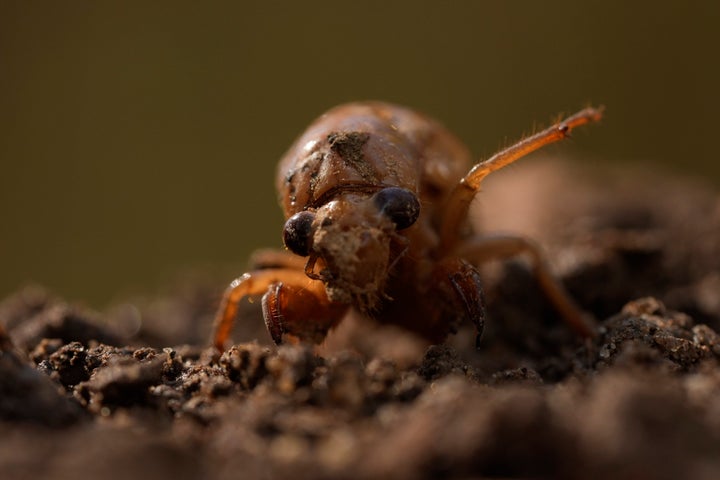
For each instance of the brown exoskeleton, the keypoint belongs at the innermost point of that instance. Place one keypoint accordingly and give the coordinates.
(376, 198)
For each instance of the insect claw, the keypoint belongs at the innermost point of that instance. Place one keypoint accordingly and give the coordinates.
(310, 267)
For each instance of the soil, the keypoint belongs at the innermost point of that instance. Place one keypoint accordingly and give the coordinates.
(137, 391)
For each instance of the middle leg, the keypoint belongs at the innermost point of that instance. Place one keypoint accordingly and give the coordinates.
(482, 249)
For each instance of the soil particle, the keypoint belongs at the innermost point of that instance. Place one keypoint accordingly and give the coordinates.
(441, 360)
(645, 331)
(123, 382)
(245, 364)
(27, 395)
(68, 364)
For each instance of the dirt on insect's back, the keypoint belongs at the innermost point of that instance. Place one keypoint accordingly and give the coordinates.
(140, 394)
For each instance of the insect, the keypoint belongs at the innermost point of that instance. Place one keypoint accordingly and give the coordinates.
(376, 198)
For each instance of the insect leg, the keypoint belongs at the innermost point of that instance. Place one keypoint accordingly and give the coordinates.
(302, 311)
(463, 193)
(458, 283)
(254, 283)
(481, 249)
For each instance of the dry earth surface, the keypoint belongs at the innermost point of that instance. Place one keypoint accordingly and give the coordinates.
(136, 392)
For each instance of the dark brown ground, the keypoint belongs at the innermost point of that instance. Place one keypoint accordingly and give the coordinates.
(642, 401)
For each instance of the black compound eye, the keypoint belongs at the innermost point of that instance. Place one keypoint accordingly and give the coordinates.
(400, 205)
(298, 232)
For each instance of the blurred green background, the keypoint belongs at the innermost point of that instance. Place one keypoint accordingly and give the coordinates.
(139, 139)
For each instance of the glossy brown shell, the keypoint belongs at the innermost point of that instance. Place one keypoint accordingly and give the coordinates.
(366, 146)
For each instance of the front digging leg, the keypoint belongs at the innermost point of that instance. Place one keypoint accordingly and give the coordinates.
(303, 312)
(282, 315)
